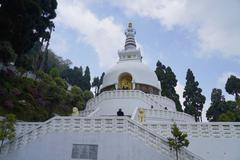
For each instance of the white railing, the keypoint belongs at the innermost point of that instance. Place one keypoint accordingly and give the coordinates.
(158, 115)
(159, 103)
(165, 101)
(197, 129)
(86, 112)
(100, 125)
(23, 127)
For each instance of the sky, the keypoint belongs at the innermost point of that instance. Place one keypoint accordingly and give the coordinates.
(201, 35)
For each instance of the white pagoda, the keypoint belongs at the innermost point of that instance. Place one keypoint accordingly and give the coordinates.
(141, 134)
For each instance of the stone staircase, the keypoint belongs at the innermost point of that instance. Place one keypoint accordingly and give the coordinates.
(99, 124)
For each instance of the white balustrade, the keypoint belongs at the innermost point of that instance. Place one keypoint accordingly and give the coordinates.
(23, 127)
(164, 100)
(153, 100)
(200, 130)
(158, 115)
(101, 125)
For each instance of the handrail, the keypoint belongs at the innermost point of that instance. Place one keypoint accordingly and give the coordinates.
(6, 147)
(162, 97)
(93, 113)
(160, 105)
(184, 151)
(102, 95)
(22, 127)
(166, 115)
(98, 124)
(195, 129)
(134, 114)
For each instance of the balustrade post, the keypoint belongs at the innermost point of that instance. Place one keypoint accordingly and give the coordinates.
(134, 84)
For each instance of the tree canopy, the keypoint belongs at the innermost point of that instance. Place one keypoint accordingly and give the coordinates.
(76, 77)
(222, 110)
(7, 53)
(217, 106)
(7, 129)
(233, 86)
(97, 83)
(26, 27)
(168, 83)
(23, 22)
(194, 100)
(86, 79)
(54, 72)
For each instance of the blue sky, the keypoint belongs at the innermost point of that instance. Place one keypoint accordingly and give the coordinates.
(201, 35)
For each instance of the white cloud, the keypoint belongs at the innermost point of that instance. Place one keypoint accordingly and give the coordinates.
(180, 89)
(216, 23)
(104, 35)
(60, 44)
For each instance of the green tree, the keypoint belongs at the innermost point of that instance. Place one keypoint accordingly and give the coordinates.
(35, 57)
(23, 22)
(24, 62)
(221, 110)
(7, 53)
(168, 83)
(34, 100)
(160, 72)
(100, 82)
(217, 105)
(95, 84)
(238, 102)
(77, 97)
(101, 79)
(194, 100)
(7, 128)
(17, 21)
(227, 117)
(55, 97)
(47, 39)
(87, 95)
(43, 76)
(178, 141)
(233, 86)
(74, 77)
(216, 96)
(229, 113)
(54, 72)
(53, 92)
(61, 83)
(58, 62)
(86, 79)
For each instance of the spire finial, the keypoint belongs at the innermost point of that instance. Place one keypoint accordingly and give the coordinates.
(130, 52)
(130, 25)
(130, 39)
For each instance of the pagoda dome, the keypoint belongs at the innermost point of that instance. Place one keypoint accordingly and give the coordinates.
(139, 72)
